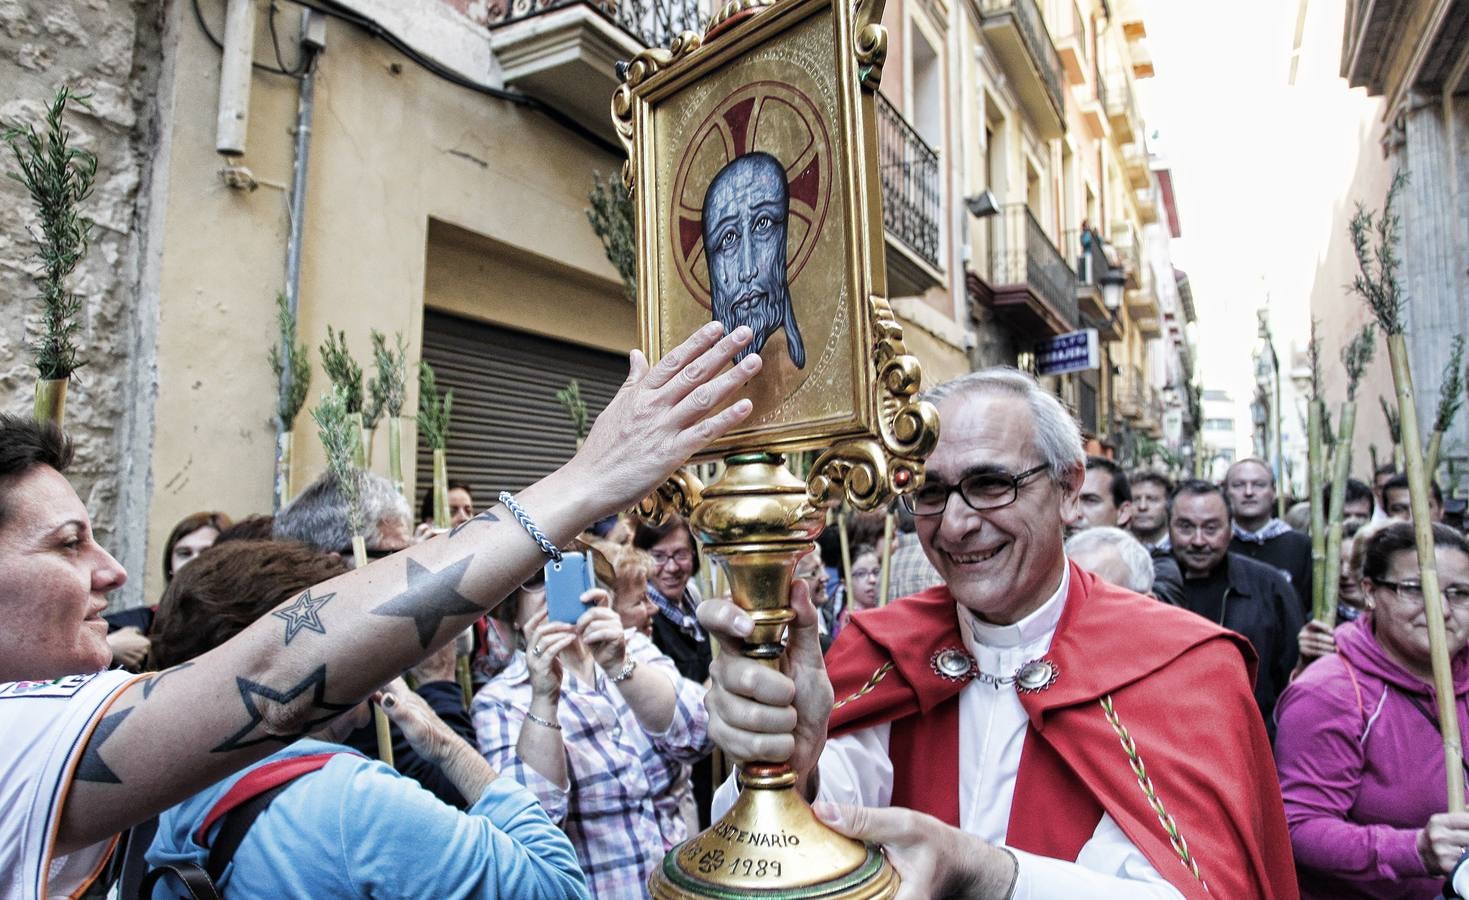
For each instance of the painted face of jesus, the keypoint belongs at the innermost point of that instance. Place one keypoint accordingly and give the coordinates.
(745, 212)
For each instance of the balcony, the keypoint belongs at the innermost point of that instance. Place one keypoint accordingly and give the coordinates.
(1093, 113)
(1129, 249)
(1147, 205)
(1130, 394)
(1135, 164)
(1143, 308)
(1029, 287)
(565, 51)
(1072, 49)
(1121, 107)
(1023, 46)
(1085, 250)
(911, 197)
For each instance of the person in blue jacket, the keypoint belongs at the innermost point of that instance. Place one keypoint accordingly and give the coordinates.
(354, 826)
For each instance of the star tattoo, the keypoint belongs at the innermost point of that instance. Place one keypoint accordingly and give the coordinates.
(485, 516)
(259, 698)
(303, 614)
(91, 767)
(153, 682)
(431, 598)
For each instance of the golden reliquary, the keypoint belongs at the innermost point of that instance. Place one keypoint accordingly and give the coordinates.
(753, 165)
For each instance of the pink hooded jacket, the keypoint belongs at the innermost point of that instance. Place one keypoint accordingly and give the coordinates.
(1362, 768)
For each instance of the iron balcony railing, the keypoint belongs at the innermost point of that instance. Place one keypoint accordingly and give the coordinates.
(1037, 40)
(1085, 254)
(1117, 97)
(1024, 254)
(655, 23)
(910, 183)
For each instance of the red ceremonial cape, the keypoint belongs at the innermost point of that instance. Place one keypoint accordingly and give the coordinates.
(1178, 684)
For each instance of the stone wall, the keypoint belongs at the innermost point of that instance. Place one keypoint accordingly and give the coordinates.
(109, 49)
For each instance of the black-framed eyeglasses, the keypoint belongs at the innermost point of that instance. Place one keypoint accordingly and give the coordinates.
(981, 491)
(1412, 592)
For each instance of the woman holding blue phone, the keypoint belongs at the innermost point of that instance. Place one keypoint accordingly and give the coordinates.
(598, 724)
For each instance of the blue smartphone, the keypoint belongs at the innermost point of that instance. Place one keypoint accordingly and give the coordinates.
(566, 581)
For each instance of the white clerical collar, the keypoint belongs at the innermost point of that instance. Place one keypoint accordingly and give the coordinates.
(1036, 627)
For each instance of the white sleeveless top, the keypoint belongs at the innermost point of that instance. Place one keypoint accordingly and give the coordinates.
(44, 726)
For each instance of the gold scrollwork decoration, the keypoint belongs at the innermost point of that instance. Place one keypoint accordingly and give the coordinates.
(731, 9)
(679, 495)
(633, 73)
(870, 42)
(870, 472)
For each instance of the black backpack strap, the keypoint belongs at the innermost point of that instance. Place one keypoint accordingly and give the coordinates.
(129, 864)
(195, 880)
(233, 828)
(200, 882)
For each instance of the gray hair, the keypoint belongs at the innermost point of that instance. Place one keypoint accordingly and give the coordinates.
(318, 515)
(1057, 436)
(1132, 553)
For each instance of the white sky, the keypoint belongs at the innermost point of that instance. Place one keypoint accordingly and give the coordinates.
(1257, 166)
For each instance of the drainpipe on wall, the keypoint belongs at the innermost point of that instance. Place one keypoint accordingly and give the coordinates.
(313, 42)
(234, 79)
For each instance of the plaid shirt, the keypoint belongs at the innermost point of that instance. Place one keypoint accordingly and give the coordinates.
(622, 811)
(909, 570)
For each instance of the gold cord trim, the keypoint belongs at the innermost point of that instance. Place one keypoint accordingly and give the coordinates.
(1175, 837)
(866, 689)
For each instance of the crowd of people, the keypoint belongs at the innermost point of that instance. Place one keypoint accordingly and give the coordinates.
(1044, 676)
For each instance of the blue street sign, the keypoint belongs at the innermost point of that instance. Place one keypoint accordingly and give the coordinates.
(1073, 352)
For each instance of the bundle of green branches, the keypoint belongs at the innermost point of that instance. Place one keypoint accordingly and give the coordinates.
(1380, 287)
(346, 378)
(1450, 399)
(433, 410)
(576, 409)
(389, 385)
(291, 364)
(58, 177)
(342, 369)
(387, 391)
(1354, 357)
(433, 425)
(292, 367)
(611, 216)
(340, 437)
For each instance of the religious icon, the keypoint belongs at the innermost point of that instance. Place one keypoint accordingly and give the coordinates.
(753, 164)
(745, 213)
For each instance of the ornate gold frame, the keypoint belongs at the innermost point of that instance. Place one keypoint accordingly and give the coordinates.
(878, 448)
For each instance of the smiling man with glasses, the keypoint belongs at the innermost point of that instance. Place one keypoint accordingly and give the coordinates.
(986, 731)
(1230, 589)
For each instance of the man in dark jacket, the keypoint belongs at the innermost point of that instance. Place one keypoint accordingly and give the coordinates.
(1106, 499)
(1258, 534)
(1238, 593)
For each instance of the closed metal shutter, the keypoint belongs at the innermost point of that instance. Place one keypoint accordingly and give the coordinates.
(506, 428)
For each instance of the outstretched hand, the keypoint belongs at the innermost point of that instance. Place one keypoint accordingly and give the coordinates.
(668, 413)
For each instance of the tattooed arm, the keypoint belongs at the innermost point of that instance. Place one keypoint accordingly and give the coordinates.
(173, 734)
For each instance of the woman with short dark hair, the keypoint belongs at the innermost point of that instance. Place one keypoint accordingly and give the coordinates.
(342, 829)
(1358, 747)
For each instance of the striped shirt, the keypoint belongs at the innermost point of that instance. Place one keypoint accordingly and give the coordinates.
(622, 811)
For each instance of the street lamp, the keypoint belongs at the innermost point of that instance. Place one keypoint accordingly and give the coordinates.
(982, 205)
(1112, 284)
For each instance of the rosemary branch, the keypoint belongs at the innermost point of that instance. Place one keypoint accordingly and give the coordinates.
(58, 177)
